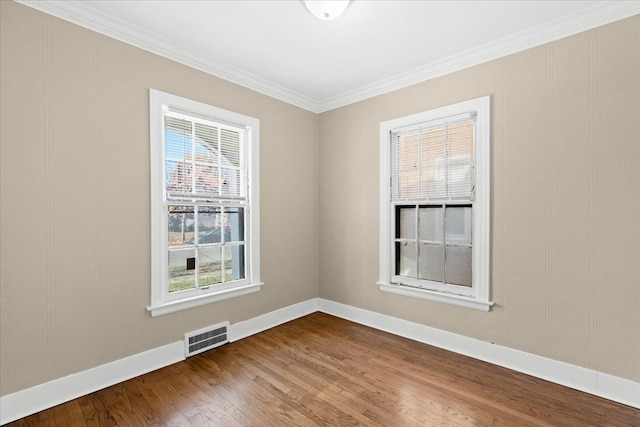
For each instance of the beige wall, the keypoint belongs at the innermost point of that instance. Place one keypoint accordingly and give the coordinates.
(75, 199)
(565, 200)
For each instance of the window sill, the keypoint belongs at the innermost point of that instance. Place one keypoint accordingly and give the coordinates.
(173, 306)
(458, 300)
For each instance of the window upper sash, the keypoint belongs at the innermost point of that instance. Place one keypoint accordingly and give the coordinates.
(434, 160)
(203, 160)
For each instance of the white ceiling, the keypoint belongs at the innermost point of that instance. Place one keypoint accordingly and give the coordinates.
(280, 49)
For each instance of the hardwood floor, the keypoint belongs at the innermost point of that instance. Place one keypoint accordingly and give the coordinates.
(321, 370)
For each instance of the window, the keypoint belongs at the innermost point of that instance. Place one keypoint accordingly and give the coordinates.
(434, 205)
(204, 204)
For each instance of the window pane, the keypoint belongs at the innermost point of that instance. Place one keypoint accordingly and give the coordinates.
(207, 179)
(408, 155)
(180, 225)
(458, 266)
(204, 153)
(206, 143)
(431, 262)
(408, 184)
(233, 262)
(432, 183)
(406, 217)
(178, 177)
(433, 162)
(461, 140)
(210, 264)
(433, 149)
(458, 225)
(459, 178)
(230, 182)
(460, 150)
(234, 223)
(431, 223)
(406, 262)
(209, 224)
(182, 272)
(230, 145)
(177, 138)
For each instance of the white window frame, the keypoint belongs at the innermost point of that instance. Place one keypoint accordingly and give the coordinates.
(476, 297)
(162, 302)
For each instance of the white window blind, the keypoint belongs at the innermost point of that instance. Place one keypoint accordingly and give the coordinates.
(434, 204)
(434, 161)
(205, 203)
(203, 159)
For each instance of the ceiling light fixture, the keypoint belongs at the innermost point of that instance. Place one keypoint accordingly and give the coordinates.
(326, 9)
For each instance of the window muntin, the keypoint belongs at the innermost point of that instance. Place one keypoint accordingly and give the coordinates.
(203, 159)
(211, 237)
(204, 204)
(433, 243)
(434, 204)
(203, 164)
(433, 163)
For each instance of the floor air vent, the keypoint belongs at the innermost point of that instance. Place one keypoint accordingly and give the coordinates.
(206, 339)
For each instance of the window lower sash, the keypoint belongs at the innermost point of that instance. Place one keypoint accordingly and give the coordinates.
(430, 285)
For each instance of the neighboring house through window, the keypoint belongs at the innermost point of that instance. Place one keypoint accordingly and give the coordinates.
(204, 204)
(434, 204)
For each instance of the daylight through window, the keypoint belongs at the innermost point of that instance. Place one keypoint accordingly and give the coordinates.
(204, 203)
(434, 204)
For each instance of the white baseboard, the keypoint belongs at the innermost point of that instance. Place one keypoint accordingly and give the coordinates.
(29, 401)
(593, 382)
(240, 330)
(43, 396)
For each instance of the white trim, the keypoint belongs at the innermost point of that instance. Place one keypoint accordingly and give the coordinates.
(476, 297)
(601, 13)
(161, 302)
(593, 382)
(83, 14)
(184, 304)
(43, 396)
(241, 330)
(459, 300)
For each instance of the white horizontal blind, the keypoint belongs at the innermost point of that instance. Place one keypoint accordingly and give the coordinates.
(434, 161)
(203, 159)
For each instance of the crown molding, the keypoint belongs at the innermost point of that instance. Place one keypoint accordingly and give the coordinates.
(601, 13)
(82, 13)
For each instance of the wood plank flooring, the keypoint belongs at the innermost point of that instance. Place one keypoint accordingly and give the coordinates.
(322, 370)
